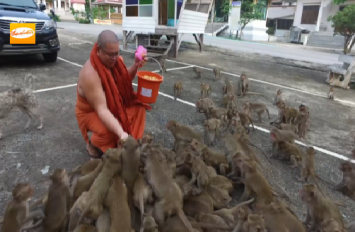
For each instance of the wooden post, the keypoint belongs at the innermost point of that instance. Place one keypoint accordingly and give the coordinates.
(175, 13)
(201, 42)
(125, 40)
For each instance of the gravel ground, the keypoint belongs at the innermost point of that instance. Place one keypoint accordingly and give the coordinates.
(32, 155)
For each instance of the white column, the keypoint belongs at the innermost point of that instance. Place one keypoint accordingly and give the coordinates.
(69, 3)
(59, 4)
(319, 20)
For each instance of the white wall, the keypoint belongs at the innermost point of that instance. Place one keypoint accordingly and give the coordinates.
(298, 14)
(192, 22)
(280, 11)
(282, 33)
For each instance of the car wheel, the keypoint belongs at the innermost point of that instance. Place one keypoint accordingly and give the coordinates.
(50, 57)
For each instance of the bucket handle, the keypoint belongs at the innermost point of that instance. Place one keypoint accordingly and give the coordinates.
(162, 71)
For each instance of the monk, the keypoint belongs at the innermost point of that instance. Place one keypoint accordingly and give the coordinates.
(106, 104)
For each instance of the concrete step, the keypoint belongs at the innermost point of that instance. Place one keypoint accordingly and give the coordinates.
(217, 27)
(326, 41)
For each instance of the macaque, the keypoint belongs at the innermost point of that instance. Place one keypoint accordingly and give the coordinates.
(148, 223)
(216, 112)
(85, 168)
(169, 196)
(212, 129)
(255, 183)
(305, 109)
(319, 208)
(242, 214)
(181, 133)
(235, 127)
(178, 88)
(301, 123)
(198, 71)
(290, 114)
(198, 170)
(230, 101)
(142, 193)
(330, 225)
(254, 223)
(220, 197)
(350, 227)
(292, 151)
(85, 228)
(245, 121)
(17, 213)
(228, 87)
(257, 108)
(217, 73)
(205, 90)
(347, 184)
(212, 219)
(97, 193)
(289, 127)
(278, 97)
(243, 85)
(203, 105)
(277, 136)
(59, 202)
(331, 93)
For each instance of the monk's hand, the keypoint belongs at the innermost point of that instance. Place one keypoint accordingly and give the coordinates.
(141, 63)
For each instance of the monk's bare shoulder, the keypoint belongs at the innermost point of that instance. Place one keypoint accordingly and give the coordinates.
(88, 79)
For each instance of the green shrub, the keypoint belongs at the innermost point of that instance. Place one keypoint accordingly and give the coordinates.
(84, 20)
(270, 31)
(55, 18)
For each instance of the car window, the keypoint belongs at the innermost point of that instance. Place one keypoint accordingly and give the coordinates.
(20, 3)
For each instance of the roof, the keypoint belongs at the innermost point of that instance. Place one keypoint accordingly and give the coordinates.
(108, 2)
(283, 16)
(78, 1)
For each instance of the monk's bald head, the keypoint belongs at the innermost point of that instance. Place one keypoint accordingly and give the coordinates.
(108, 48)
(105, 37)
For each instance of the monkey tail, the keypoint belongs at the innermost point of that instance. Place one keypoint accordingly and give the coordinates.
(254, 93)
(242, 204)
(251, 121)
(267, 111)
(29, 80)
(183, 218)
(210, 226)
(252, 144)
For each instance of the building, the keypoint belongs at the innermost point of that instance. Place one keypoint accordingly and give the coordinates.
(280, 17)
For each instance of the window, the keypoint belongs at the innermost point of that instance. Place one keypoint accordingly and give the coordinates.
(139, 8)
(276, 4)
(310, 14)
(284, 24)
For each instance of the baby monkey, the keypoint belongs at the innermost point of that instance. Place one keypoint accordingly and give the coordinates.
(178, 88)
(217, 73)
(331, 93)
(198, 71)
(205, 90)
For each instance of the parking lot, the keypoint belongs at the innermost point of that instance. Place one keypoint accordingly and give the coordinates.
(30, 156)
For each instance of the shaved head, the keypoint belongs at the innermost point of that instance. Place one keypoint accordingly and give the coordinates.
(105, 37)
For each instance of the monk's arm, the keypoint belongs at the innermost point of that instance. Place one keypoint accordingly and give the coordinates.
(132, 71)
(96, 97)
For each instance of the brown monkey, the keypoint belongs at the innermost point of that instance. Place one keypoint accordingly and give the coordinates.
(347, 185)
(148, 223)
(350, 227)
(277, 136)
(74, 214)
(212, 129)
(330, 225)
(103, 222)
(245, 120)
(235, 127)
(305, 109)
(216, 112)
(243, 85)
(166, 190)
(210, 157)
(205, 90)
(290, 114)
(257, 108)
(255, 184)
(17, 213)
(301, 122)
(211, 218)
(178, 88)
(331, 93)
(85, 228)
(292, 152)
(230, 101)
(217, 73)
(86, 168)
(319, 208)
(59, 202)
(116, 202)
(290, 127)
(97, 193)
(254, 223)
(281, 116)
(278, 97)
(142, 193)
(228, 87)
(221, 182)
(198, 71)
(181, 132)
(194, 204)
(198, 170)
(203, 105)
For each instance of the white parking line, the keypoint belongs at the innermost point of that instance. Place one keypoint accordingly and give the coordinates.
(349, 103)
(336, 155)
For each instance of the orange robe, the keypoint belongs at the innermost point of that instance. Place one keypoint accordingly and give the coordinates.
(88, 120)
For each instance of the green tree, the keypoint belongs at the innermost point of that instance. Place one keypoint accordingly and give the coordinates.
(248, 14)
(338, 2)
(343, 24)
(226, 7)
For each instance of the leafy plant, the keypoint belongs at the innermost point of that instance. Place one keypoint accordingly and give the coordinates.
(56, 18)
(248, 14)
(343, 24)
(99, 12)
(226, 7)
(338, 2)
(270, 31)
(84, 20)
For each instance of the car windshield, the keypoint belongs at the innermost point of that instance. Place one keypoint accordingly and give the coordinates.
(20, 3)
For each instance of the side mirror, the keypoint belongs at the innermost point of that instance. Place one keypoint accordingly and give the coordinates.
(42, 7)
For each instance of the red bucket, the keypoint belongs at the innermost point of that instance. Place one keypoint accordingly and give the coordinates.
(148, 88)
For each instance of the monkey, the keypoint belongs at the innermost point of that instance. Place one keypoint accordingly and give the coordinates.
(245, 121)
(211, 157)
(279, 217)
(319, 208)
(212, 128)
(228, 214)
(278, 97)
(198, 170)
(116, 202)
(235, 127)
(292, 152)
(237, 158)
(243, 85)
(130, 157)
(86, 168)
(142, 193)
(178, 88)
(74, 214)
(241, 214)
(198, 71)
(148, 223)
(168, 193)
(217, 73)
(290, 114)
(257, 108)
(194, 204)
(59, 202)
(228, 87)
(216, 112)
(244, 145)
(305, 109)
(221, 182)
(83, 183)
(255, 184)
(301, 122)
(290, 127)
(350, 227)
(181, 132)
(103, 222)
(17, 213)
(85, 228)
(254, 223)
(220, 197)
(203, 105)
(97, 193)
(211, 218)
(331, 93)
(281, 116)
(347, 184)
(230, 101)
(277, 136)
(205, 90)
(330, 225)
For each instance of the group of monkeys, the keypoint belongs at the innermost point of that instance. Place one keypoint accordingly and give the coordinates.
(146, 187)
